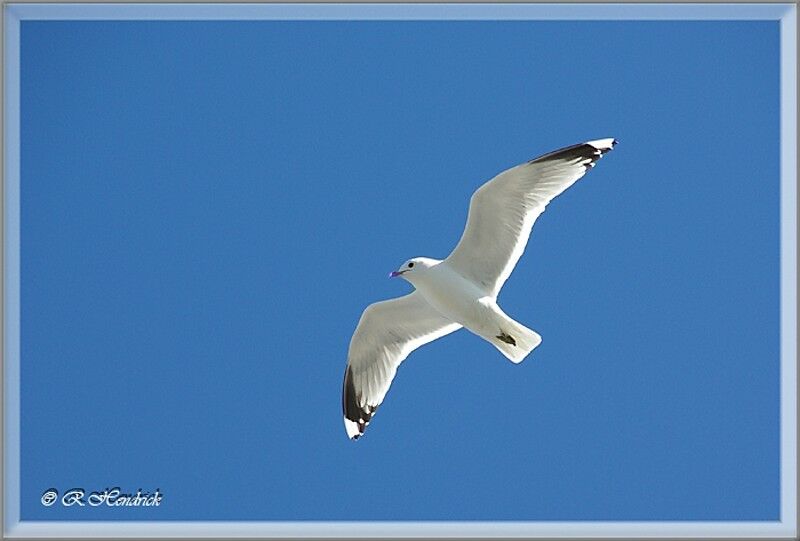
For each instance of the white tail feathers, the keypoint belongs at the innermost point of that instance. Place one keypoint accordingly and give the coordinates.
(516, 341)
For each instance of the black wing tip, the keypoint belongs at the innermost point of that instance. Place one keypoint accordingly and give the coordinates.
(356, 417)
(603, 145)
(591, 151)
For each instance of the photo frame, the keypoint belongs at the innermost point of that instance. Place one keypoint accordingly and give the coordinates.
(17, 15)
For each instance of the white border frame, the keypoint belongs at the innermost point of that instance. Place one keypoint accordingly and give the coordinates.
(785, 13)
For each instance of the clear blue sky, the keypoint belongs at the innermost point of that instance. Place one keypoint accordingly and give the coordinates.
(207, 208)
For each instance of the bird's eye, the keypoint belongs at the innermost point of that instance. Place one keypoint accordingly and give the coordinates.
(410, 264)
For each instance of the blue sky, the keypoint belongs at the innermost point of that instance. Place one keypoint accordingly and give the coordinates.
(207, 208)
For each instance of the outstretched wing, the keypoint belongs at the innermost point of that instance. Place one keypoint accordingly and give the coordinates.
(387, 332)
(502, 211)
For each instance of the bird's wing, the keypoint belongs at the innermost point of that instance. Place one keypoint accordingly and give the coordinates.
(502, 211)
(387, 332)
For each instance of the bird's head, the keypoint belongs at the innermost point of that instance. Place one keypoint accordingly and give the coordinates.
(414, 265)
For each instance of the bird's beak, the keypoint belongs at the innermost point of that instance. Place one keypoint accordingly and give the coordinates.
(395, 274)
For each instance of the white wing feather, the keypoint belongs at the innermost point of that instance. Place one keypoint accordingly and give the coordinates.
(502, 212)
(386, 334)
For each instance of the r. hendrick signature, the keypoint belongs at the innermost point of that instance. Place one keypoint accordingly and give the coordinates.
(112, 497)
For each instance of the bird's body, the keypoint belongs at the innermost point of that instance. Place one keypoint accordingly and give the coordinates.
(462, 301)
(461, 290)
(450, 294)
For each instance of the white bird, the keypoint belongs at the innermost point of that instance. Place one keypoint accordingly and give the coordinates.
(461, 291)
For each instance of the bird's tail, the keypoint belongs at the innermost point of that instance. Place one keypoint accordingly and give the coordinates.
(515, 340)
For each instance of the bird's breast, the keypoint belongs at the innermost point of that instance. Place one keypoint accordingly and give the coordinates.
(452, 295)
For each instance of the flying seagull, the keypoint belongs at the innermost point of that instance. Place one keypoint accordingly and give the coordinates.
(461, 291)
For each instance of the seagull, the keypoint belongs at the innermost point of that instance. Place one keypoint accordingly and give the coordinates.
(461, 290)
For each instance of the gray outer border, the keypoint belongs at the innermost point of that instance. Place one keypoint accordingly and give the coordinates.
(785, 13)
